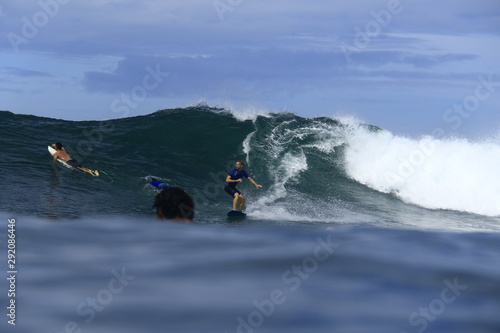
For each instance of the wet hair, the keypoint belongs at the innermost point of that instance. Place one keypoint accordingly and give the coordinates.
(241, 162)
(153, 179)
(173, 203)
(58, 145)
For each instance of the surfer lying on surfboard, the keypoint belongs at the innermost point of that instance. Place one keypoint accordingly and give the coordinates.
(62, 154)
(233, 178)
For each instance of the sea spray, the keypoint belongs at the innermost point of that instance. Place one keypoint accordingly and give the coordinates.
(454, 174)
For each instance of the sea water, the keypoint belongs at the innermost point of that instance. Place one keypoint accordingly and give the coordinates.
(355, 229)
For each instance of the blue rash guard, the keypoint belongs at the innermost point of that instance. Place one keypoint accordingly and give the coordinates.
(158, 184)
(235, 174)
(230, 188)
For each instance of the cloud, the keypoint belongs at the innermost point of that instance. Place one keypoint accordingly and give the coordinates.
(267, 72)
(21, 72)
(10, 90)
(380, 58)
(194, 27)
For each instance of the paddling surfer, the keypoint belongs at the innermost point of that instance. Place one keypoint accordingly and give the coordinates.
(158, 184)
(233, 178)
(62, 154)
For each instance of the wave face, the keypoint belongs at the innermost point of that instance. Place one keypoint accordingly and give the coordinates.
(314, 170)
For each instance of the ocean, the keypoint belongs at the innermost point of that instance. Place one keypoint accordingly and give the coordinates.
(355, 229)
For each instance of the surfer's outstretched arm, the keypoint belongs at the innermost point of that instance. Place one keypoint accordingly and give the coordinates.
(253, 182)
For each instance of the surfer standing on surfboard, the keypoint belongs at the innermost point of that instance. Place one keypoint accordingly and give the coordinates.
(62, 154)
(233, 178)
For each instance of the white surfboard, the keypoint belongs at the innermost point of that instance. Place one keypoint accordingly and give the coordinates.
(52, 151)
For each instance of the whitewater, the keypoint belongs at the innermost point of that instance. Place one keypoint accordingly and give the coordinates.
(453, 174)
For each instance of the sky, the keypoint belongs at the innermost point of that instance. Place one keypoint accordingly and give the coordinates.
(414, 67)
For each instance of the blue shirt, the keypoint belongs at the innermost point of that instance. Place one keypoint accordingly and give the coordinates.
(159, 184)
(235, 174)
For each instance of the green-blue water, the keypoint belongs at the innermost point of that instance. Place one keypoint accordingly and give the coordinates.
(354, 230)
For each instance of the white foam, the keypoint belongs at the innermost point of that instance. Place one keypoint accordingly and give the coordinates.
(247, 113)
(286, 160)
(317, 214)
(290, 166)
(247, 146)
(302, 208)
(453, 174)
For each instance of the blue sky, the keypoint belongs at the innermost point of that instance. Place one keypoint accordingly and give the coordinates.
(411, 66)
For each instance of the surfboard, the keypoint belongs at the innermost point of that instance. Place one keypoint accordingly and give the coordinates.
(52, 151)
(236, 213)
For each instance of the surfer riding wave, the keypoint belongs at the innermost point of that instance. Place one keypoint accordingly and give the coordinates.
(233, 178)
